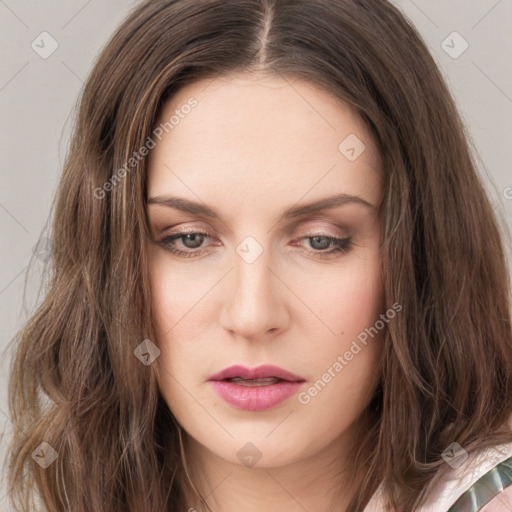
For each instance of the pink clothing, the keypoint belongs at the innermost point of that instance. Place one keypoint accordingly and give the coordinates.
(501, 503)
(460, 480)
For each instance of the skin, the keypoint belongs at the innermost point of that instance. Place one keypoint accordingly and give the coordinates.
(253, 146)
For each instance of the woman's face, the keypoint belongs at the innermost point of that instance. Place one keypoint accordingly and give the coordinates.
(258, 281)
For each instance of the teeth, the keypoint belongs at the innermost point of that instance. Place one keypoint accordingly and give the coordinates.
(267, 381)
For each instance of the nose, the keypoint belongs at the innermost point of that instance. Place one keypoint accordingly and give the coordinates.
(254, 302)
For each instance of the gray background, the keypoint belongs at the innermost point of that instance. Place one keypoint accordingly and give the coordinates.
(37, 96)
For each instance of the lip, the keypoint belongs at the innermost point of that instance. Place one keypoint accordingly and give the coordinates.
(260, 372)
(258, 398)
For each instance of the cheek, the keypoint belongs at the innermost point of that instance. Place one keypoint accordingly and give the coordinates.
(181, 305)
(343, 375)
(347, 298)
(360, 300)
(349, 302)
(179, 297)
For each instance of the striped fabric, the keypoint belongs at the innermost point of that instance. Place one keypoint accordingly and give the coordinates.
(482, 483)
(485, 488)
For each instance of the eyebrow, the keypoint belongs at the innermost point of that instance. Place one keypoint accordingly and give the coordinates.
(326, 203)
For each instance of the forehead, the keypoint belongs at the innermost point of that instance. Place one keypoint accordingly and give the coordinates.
(262, 135)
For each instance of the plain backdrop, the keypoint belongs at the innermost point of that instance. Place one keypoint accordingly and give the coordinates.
(470, 40)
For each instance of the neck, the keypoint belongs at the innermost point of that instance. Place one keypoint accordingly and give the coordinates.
(324, 482)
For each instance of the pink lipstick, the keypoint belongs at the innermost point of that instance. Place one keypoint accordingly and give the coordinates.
(255, 389)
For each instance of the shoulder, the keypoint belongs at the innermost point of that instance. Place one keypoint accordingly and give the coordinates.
(500, 503)
(492, 490)
(485, 476)
(456, 492)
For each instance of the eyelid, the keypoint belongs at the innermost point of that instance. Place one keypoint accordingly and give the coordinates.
(332, 231)
(176, 230)
(336, 231)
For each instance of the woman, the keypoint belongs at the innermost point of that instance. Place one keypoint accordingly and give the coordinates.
(277, 281)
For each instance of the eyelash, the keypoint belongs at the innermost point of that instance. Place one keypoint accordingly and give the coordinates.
(342, 245)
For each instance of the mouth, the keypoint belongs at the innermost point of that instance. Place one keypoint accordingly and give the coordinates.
(255, 389)
(250, 383)
(261, 374)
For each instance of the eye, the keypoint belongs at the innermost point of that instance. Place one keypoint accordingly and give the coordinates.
(321, 242)
(189, 239)
(193, 243)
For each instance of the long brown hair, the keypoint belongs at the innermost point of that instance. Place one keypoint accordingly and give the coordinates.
(447, 368)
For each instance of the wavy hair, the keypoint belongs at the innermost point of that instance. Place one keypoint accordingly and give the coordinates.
(447, 366)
